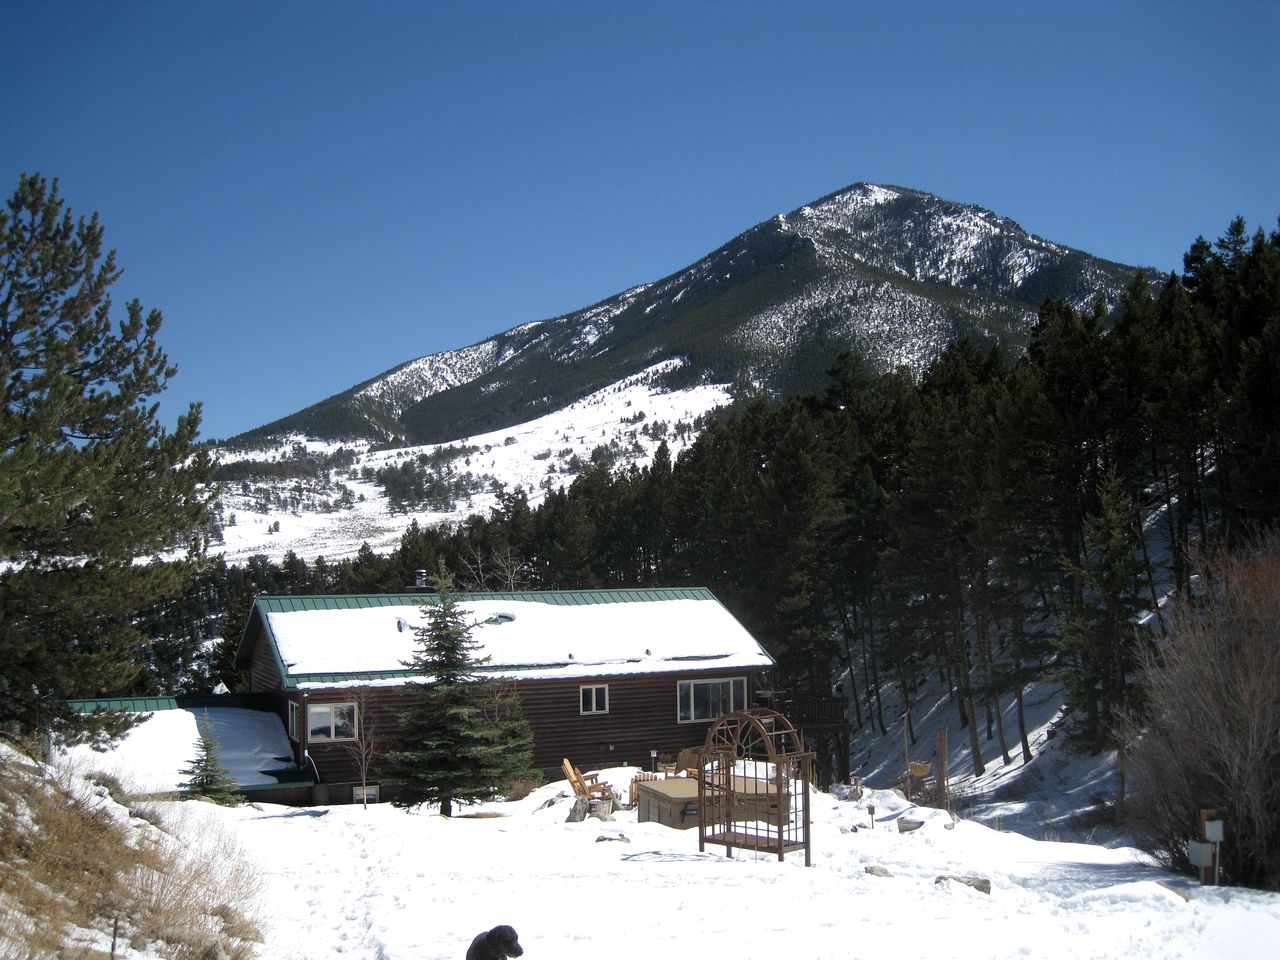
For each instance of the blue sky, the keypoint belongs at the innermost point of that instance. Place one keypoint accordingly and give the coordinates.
(313, 192)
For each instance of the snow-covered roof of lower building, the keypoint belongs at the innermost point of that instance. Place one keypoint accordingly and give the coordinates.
(323, 640)
(150, 757)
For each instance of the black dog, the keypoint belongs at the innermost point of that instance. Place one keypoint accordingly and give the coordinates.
(497, 944)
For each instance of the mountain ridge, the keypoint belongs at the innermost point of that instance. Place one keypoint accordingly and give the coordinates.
(891, 272)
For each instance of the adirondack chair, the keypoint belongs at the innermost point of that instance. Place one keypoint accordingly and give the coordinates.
(585, 785)
(688, 762)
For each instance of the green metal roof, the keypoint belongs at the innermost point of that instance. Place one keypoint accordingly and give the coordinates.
(154, 704)
(127, 704)
(292, 681)
(564, 598)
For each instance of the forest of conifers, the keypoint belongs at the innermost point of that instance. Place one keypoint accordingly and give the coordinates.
(994, 520)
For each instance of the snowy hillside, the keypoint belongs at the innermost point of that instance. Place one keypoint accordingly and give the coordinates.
(428, 375)
(1056, 794)
(333, 514)
(941, 243)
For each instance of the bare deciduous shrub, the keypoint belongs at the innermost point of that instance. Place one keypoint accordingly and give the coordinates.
(1212, 735)
(520, 787)
(366, 747)
(66, 859)
(81, 873)
(203, 894)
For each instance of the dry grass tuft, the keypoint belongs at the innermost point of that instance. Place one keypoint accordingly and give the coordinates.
(83, 875)
(521, 787)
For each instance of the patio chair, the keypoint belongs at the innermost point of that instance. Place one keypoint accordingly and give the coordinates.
(585, 785)
(688, 762)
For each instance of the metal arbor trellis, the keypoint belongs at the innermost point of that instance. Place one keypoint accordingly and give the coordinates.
(753, 785)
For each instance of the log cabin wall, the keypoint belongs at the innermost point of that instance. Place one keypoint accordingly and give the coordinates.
(642, 716)
(264, 669)
(377, 711)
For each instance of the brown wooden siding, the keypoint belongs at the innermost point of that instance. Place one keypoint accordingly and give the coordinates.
(642, 717)
(264, 672)
(333, 758)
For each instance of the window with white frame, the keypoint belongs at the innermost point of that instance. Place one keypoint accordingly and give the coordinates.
(295, 721)
(594, 699)
(707, 699)
(331, 721)
(365, 794)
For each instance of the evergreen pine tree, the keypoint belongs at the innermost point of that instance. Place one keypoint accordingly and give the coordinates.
(1100, 634)
(208, 778)
(797, 514)
(461, 738)
(89, 480)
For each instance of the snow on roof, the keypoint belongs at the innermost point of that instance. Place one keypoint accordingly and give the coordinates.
(149, 757)
(525, 638)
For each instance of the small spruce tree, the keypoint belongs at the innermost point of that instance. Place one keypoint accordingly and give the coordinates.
(208, 777)
(462, 738)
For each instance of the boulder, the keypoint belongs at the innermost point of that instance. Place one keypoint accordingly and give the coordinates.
(981, 884)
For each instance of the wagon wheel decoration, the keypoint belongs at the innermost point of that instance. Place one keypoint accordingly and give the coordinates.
(755, 734)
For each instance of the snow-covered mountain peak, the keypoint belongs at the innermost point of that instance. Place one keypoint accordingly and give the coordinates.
(889, 272)
(860, 196)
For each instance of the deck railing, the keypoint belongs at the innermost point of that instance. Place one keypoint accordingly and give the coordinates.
(807, 711)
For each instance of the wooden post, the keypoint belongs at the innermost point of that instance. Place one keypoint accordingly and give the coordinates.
(940, 757)
(1208, 871)
(906, 754)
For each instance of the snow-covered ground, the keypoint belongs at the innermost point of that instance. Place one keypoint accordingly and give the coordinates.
(386, 884)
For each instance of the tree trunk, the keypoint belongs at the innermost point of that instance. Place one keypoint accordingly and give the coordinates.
(1019, 642)
(906, 703)
(846, 629)
(1121, 776)
(1004, 743)
(875, 682)
(1022, 720)
(966, 699)
(990, 695)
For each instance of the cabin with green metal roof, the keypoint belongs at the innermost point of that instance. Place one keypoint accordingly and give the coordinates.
(605, 677)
